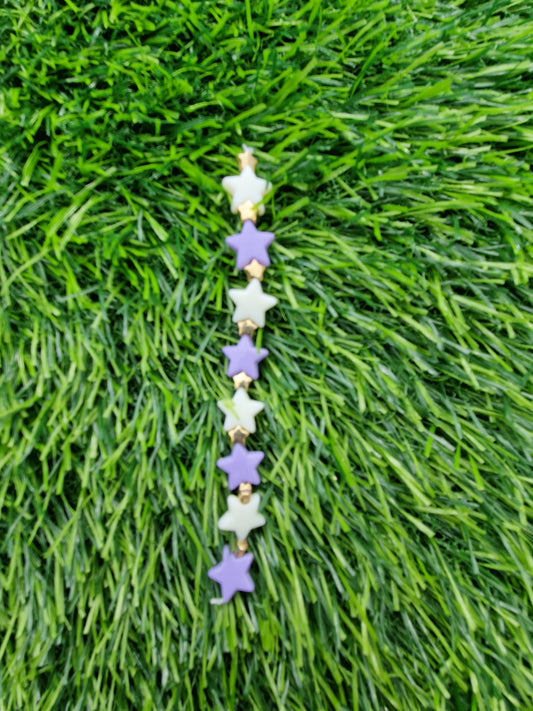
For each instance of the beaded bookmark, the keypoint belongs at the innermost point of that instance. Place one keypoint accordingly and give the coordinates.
(247, 192)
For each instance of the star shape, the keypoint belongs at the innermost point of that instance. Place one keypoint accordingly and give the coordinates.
(246, 186)
(250, 244)
(241, 518)
(241, 466)
(240, 410)
(232, 574)
(244, 357)
(251, 303)
(246, 157)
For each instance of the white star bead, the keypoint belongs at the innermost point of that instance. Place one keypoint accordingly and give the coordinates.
(246, 186)
(241, 518)
(240, 410)
(251, 303)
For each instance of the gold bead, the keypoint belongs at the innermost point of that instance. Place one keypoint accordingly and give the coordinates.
(255, 270)
(247, 327)
(246, 158)
(242, 547)
(245, 492)
(238, 435)
(242, 380)
(247, 211)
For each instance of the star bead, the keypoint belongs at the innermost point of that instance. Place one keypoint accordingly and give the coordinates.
(251, 303)
(250, 244)
(246, 157)
(247, 327)
(241, 380)
(246, 186)
(254, 270)
(241, 518)
(240, 410)
(247, 211)
(241, 466)
(232, 574)
(244, 357)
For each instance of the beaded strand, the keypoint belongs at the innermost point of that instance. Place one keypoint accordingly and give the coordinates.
(251, 303)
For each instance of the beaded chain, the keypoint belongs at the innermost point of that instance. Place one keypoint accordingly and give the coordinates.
(247, 192)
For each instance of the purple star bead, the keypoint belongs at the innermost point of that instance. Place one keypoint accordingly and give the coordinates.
(244, 356)
(232, 574)
(250, 244)
(241, 466)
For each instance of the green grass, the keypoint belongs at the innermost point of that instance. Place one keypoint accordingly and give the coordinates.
(395, 569)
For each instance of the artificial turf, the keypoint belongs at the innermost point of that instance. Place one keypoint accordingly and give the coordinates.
(395, 568)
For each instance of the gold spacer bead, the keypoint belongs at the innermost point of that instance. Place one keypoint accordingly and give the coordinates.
(245, 492)
(242, 380)
(247, 211)
(246, 158)
(255, 270)
(242, 547)
(238, 435)
(247, 326)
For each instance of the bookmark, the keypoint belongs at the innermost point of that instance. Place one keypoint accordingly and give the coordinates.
(251, 304)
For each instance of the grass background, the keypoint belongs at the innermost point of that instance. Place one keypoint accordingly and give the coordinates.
(395, 569)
